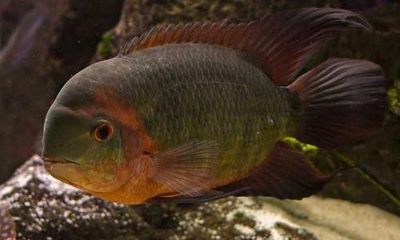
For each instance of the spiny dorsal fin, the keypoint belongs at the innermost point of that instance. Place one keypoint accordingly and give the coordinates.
(282, 43)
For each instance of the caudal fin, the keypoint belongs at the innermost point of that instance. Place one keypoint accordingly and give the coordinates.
(343, 101)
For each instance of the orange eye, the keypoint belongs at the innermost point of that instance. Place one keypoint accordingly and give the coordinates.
(102, 131)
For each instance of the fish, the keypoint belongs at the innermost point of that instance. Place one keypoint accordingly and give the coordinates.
(7, 225)
(195, 112)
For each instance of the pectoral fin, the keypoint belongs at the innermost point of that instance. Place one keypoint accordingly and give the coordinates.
(186, 169)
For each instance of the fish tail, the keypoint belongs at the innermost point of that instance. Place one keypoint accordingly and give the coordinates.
(343, 101)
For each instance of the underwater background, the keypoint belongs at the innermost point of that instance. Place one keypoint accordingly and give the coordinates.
(43, 43)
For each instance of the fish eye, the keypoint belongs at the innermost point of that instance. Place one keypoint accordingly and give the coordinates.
(102, 131)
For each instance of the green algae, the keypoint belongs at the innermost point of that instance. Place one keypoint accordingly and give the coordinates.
(104, 47)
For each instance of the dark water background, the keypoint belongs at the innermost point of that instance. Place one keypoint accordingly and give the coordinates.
(43, 43)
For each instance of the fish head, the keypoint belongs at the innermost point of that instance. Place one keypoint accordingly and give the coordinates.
(82, 149)
(83, 138)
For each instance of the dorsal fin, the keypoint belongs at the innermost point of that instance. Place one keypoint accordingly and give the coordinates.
(282, 43)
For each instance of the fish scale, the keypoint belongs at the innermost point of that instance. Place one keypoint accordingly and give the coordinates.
(203, 92)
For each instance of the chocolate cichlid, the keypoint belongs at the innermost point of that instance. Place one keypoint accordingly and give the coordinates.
(196, 112)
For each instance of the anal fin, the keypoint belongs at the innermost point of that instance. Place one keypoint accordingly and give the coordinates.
(285, 174)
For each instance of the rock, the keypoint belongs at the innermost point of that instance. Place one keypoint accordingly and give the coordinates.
(7, 224)
(67, 40)
(335, 219)
(42, 44)
(25, 93)
(45, 208)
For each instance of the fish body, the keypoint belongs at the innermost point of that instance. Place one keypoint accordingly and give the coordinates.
(188, 118)
(197, 92)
